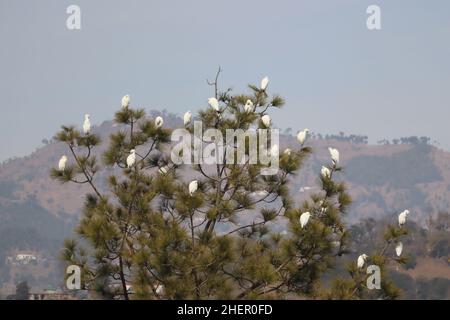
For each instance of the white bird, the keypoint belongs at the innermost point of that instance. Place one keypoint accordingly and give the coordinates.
(248, 106)
(301, 136)
(86, 124)
(159, 121)
(264, 83)
(164, 170)
(325, 172)
(187, 118)
(62, 163)
(159, 289)
(266, 120)
(193, 186)
(131, 159)
(304, 218)
(260, 193)
(274, 151)
(402, 217)
(304, 189)
(334, 155)
(399, 249)
(287, 151)
(214, 104)
(361, 260)
(125, 101)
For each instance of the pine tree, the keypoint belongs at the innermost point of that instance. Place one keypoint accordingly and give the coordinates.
(145, 236)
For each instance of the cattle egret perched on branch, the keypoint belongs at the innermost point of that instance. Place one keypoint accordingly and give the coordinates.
(193, 186)
(301, 136)
(334, 155)
(86, 124)
(260, 193)
(266, 120)
(274, 151)
(187, 118)
(159, 289)
(159, 122)
(361, 260)
(164, 170)
(264, 83)
(402, 217)
(214, 103)
(248, 106)
(62, 163)
(125, 101)
(304, 219)
(399, 249)
(131, 159)
(304, 189)
(287, 151)
(325, 172)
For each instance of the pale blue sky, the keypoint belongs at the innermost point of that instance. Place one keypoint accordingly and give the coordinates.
(334, 73)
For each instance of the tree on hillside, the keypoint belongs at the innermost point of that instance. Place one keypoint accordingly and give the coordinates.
(154, 233)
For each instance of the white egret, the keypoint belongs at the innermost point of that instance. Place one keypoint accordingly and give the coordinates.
(260, 193)
(193, 186)
(301, 136)
(159, 121)
(402, 217)
(125, 101)
(62, 163)
(334, 155)
(248, 106)
(304, 189)
(131, 159)
(361, 260)
(159, 289)
(399, 249)
(187, 118)
(164, 170)
(214, 103)
(87, 124)
(304, 218)
(266, 120)
(325, 172)
(287, 151)
(264, 83)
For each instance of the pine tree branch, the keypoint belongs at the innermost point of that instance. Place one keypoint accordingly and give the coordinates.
(88, 178)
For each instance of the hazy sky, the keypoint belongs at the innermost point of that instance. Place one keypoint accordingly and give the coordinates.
(335, 74)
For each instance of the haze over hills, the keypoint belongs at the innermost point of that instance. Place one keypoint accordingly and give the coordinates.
(382, 179)
(37, 213)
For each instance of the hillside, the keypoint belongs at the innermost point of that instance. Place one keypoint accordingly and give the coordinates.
(383, 179)
(37, 213)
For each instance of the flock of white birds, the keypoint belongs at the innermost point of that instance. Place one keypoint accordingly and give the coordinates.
(325, 171)
(398, 248)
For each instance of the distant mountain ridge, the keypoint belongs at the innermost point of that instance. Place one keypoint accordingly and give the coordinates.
(37, 213)
(382, 179)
